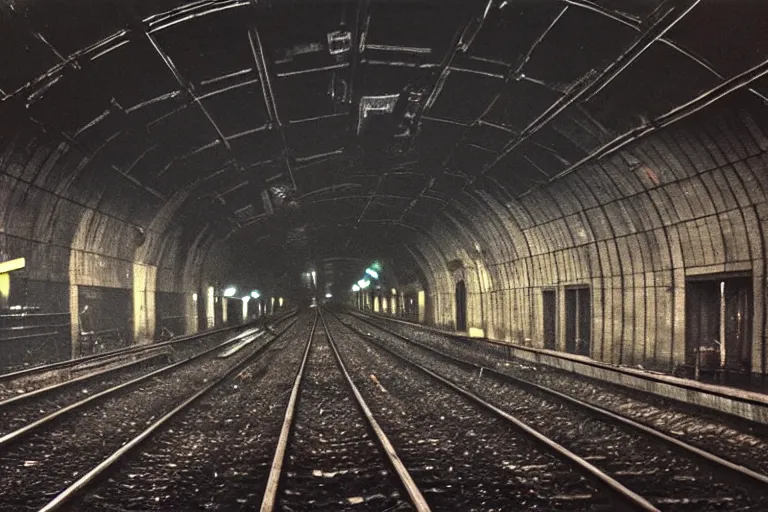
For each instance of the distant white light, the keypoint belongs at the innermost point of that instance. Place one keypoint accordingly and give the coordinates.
(255, 294)
(328, 295)
(372, 273)
(194, 296)
(355, 288)
(394, 291)
(246, 298)
(230, 291)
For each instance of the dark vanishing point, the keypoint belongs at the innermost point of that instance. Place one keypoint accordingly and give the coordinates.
(368, 255)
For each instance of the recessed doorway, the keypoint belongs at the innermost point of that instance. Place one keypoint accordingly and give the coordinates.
(578, 321)
(549, 307)
(461, 306)
(718, 341)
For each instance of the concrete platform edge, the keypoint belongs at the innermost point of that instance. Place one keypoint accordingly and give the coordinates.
(743, 404)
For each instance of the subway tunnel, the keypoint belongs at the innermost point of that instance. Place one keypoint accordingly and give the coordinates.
(581, 182)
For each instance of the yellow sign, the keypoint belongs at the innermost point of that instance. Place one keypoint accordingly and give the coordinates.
(11, 265)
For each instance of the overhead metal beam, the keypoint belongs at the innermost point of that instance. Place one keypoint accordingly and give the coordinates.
(591, 85)
(316, 118)
(428, 185)
(55, 74)
(634, 23)
(381, 178)
(379, 196)
(257, 50)
(462, 41)
(673, 116)
(124, 174)
(284, 74)
(186, 86)
(517, 72)
(184, 13)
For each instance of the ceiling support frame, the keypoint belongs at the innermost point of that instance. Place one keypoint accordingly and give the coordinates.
(371, 197)
(188, 90)
(71, 63)
(462, 41)
(633, 23)
(513, 74)
(673, 116)
(586, 89)
(257, 50)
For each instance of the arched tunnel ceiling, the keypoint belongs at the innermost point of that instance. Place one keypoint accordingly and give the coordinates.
(341, 127)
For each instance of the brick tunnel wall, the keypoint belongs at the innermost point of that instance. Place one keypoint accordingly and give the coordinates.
(83, 227)
(688, 201)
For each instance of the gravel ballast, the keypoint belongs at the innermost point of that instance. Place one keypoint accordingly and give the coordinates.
(668, 480)
(216, 455)
(460, 456)
(333, 460)
(177, 351)
(16, 415)
(704, 429)
(46, 461)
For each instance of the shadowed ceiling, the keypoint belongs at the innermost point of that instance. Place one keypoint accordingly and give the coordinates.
(342, 127)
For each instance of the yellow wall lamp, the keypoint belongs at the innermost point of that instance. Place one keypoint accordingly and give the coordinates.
(5, 277)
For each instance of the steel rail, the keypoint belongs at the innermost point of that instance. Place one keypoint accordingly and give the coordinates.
(417, 498)
(67, 495)
(17, 434)
(622, 497)
(736, 473)
(135, 348)
(269, 499)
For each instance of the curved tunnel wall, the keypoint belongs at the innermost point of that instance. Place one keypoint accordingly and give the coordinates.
(689, 201)
(686, 201)
(82, 226)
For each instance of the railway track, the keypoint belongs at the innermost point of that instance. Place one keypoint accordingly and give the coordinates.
(63, 397)
(66, 450)
(665, 472)
(329, 427)
(458, 436)
(730, 437)
(216, 455)
(462, 457)
(14, 384)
